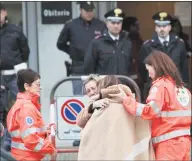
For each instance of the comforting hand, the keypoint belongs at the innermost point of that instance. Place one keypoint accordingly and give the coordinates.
(54, 153)
(53, 125)
(48, 129)
(95, 97)
(119, 96)
(103, 103)
(115, 89)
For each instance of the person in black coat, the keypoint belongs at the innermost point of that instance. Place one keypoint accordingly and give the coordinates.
(110, 53)
(75, 37)
(178, 30)
(14, 53)
(4, 156)
(131, 25)
(166, 42)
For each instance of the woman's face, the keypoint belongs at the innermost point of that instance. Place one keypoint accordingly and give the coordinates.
(34, 88)
(91, 88)
(151, 71)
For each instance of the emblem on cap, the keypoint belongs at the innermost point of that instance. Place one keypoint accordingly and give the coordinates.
(88, 2)
(117, 11)
(163, 15)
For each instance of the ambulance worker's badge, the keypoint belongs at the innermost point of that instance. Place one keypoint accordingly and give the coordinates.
(182, 96)
(29, 121)
(153, 90)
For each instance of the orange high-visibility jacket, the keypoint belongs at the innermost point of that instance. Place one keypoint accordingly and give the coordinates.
(27, 129)
(167, 106)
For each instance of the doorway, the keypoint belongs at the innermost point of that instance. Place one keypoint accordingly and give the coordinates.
(14, 12)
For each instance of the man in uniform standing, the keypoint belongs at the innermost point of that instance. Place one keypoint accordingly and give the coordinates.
(163, 41)
(110, 53)
(14, 53)
(75, 37)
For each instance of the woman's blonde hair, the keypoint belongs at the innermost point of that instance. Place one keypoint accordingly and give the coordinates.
(91, 77)
(107, 81)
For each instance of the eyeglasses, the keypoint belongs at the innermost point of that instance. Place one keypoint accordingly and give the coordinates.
(36, 84)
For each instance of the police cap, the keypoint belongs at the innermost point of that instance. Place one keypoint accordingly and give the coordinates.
(162, 18)
(87, 5)
(115, 15)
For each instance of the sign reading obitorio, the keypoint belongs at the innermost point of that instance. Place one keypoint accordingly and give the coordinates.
(56, 12)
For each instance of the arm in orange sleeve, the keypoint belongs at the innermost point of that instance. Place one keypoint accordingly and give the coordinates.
(32, 133)
(155, 102)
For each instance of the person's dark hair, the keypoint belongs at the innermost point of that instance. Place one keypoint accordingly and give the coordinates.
(164, 66)
(128, 22)
(178, 30)
(26, 76)
(108, 81)
(176, 26)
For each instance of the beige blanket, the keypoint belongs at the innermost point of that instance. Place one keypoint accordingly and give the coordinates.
(113, 134)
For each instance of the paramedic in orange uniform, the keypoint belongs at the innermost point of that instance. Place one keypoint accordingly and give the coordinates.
(30, 136)
(168, 106)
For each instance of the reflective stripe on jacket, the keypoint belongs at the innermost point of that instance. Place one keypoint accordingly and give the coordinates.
(167, 106)
(27, 129)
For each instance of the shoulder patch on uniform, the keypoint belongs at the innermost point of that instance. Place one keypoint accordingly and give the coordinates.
(178, 38)
(146, 42)
(29, 120)
(183, 96)
(154, 89)
(97, 37)
(68, 21)
(182, 40)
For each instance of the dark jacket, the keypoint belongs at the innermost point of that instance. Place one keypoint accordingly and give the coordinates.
(79, 34)
(4, 156)
(13, 46)
(176, 51)
(105, 56)
(137, 43)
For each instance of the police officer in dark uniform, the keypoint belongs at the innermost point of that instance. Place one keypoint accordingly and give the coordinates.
(178, 29)
(110, 53)
(163, 41)
(75, 37)
(14, 52)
